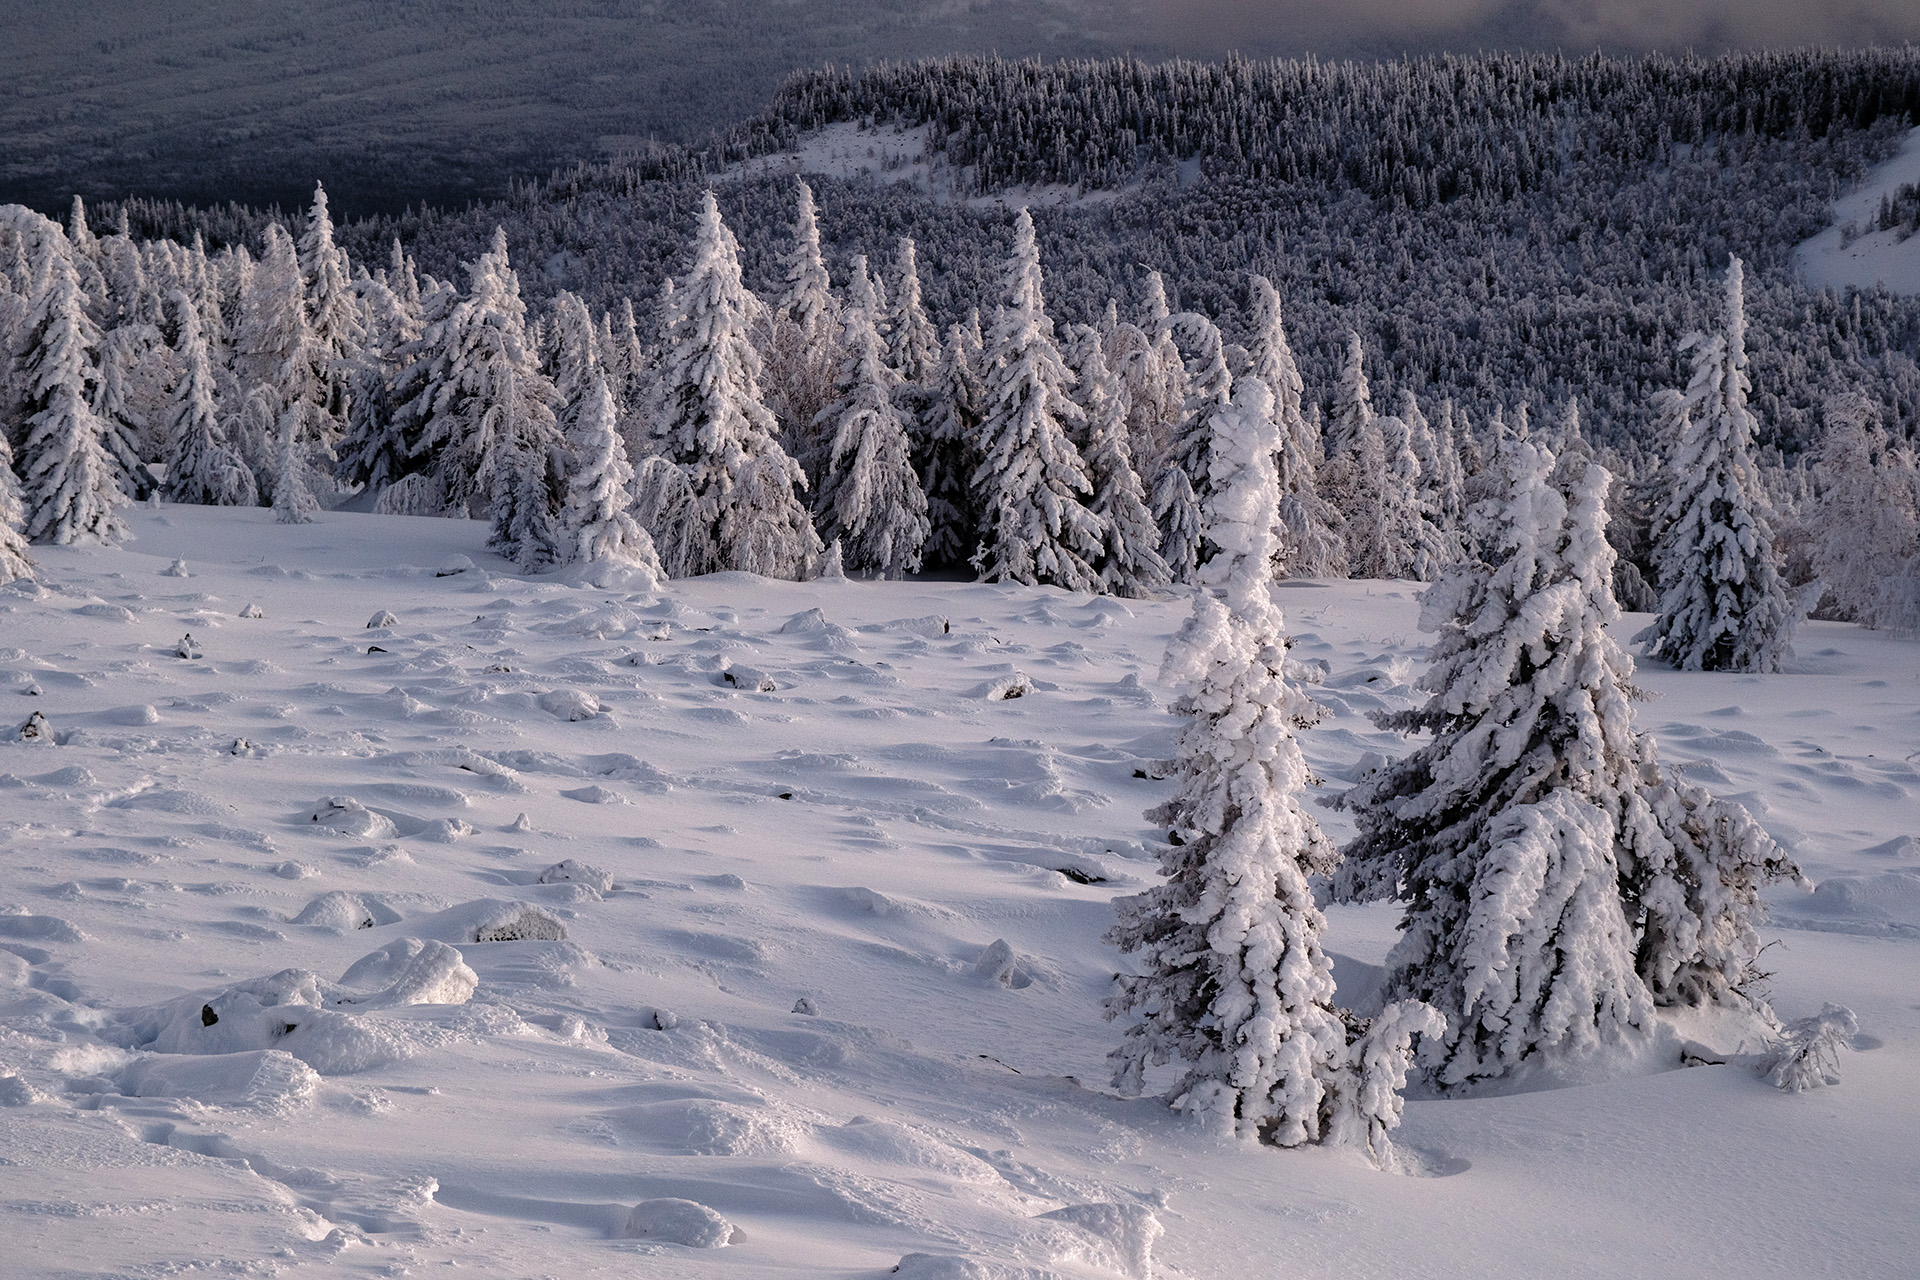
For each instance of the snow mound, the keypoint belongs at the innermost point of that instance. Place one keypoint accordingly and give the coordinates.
(382, 620)
(266, 1079)
(348, 817)
(570, 704)
(1888, 903)
(1006, 688)
(594, 794)
(346, 912)
(999, 964)
(568, 871)
(684, 1222)
(172, 800)
(1115, 1237)
(490, 920)
(23, 927)
(707, 1127)
(415, 971)
(886, 1142)
(280, 1011)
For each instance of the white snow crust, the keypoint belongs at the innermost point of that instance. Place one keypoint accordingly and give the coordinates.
(811, 986)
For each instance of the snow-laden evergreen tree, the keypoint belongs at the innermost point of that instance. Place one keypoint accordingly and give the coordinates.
(1865, 525)
(801, 348)
(1723, 604)
(1436, 498)
(1130, 563)
(1558, 881)
(333, 318)
(1352, 400)
(277, 366)
(597, 527)
(728, 494)
(1031, 485)
(470, 390)
(69, 486)
(913, 343)
(870, 500)
(1182, 489)
(374, 453)
(15, 563)
(1232, 979)
(571, 355)
(293, 501)
(1312, 539)
(200, 466)
(952, 450)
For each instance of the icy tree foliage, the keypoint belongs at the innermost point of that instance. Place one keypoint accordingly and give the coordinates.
(952, 450)
(1232, 978)
(1313, 535)
(1031, 483)
(1865, 525)
(1558, 882)
(735, 503)
(870, 500)
(1723, 605)
(1808, 1053)
(333, 314)
(200, 466)
(68, 483)
(14, 561)
(597, 527)
(1182, 489)
(470, 390)
(801, 362)
(1130, 563)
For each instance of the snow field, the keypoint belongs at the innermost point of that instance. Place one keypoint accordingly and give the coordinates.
(800, 979)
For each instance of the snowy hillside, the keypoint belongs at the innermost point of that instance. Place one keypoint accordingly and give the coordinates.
(794, 955)
(1853, 252)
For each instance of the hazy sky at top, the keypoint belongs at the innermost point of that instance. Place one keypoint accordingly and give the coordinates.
(1708, 26)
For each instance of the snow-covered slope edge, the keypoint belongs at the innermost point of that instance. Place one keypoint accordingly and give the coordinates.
(1851, 253)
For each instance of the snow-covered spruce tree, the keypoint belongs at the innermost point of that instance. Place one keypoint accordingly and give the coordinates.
(1435, 500)
(597, 527)
(373, 453)
(1313, 539)
(1130, 563)
(1499, 833)
(802, 343)
(1558, 881)
(1181, 488)
(200, 466)
(293, 501)
(469, 391)
(1352, 400)
(952, 449)
(1865, 525)
(333, 318)
(15, 563)
(913, 344)
(69, 486)
(1723, 604)
(1031, 484)
(734, 502)
(870, 500)
(1233, 981)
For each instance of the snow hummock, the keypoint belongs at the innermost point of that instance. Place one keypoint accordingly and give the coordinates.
(831, 975)
(1851, 253)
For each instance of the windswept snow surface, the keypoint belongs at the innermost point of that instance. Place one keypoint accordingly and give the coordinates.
(753, 929)
(1851, 253)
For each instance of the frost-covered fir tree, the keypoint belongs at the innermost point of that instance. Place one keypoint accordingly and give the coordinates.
(1232, 979)
(1723, 604)
(913, 344)
(724, 494)
(200, 466)
(374, 451)
(1558, 881)
(801, 347)
(15, 563)
(1865, 525)
(1313, 539)
(1352, 400)
(276, 364)
(1130, 563)
(471, 397)
(1031, 484)
(870, 500)
(952, 450)
(69, 487)
(293, 501)
(1182, 489)
(333, 317)
(597, 527)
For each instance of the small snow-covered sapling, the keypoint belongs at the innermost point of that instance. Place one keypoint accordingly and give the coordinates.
(1807, 1054)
